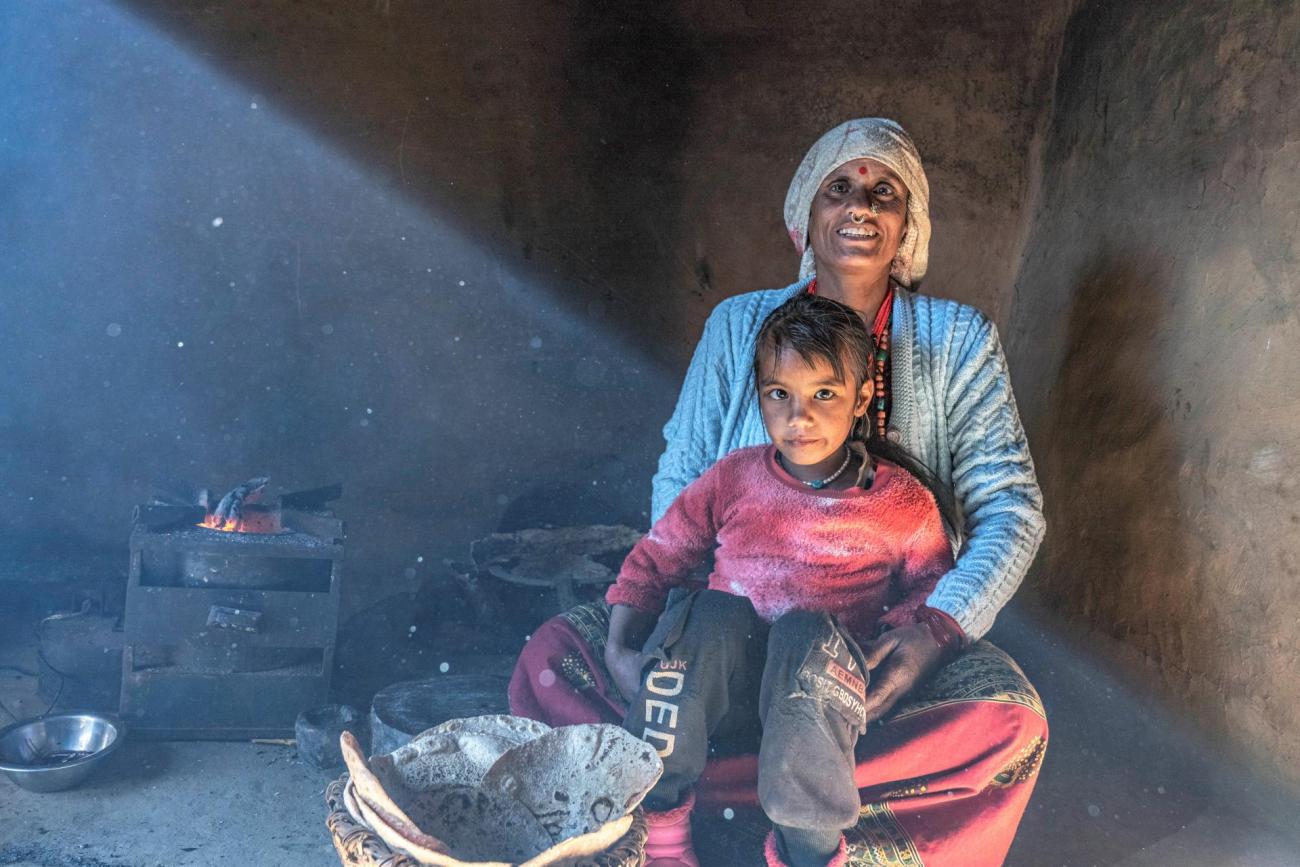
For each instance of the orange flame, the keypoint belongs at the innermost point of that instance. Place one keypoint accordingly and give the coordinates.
(252, 520)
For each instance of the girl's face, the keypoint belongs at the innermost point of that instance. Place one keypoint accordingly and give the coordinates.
(808, 411)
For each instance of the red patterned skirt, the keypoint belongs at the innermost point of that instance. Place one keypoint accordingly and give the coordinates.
(944, 779)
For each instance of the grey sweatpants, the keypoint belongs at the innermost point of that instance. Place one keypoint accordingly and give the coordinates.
(797, 687)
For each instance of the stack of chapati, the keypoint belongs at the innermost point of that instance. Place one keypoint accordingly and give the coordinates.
(502, 790)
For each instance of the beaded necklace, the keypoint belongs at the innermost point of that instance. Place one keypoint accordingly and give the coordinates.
(880, 337)
(818, 484)
(880, 333)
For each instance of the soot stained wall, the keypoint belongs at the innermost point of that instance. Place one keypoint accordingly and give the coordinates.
(1154, 336)
(642, 153)
(598, 180)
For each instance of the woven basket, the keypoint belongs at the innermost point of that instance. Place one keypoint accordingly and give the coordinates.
(358, 846)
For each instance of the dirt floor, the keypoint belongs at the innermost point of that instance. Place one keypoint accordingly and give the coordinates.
(1115, 792)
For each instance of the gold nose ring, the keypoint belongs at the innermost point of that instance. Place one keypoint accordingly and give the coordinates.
(857, 218)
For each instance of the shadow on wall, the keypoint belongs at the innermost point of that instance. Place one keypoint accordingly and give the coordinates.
(1111, 462)
(1122, 456)
(1108, 461)
(1113, 472)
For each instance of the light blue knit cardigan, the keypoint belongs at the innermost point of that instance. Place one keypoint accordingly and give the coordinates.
(951, 407)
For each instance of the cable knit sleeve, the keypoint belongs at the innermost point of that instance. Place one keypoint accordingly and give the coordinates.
(695, 429)
(993, 482)
(675, 545)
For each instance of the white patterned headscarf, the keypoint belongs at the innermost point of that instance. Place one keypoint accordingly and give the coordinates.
(879, 139)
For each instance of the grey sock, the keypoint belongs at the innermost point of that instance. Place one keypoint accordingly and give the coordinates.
(807, 847)
(661, 800)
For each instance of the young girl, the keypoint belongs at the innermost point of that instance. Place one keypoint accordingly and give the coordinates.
(819, 544)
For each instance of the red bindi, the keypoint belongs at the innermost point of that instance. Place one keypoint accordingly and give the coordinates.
(862, 170)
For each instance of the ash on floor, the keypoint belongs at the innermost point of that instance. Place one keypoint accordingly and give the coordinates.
(175, 804)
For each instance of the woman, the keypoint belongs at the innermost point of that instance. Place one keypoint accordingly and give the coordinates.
(946, 776)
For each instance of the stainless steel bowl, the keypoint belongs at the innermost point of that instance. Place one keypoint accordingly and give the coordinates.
(57, 752)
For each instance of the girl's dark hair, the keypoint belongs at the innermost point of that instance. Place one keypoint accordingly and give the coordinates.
(820, 329)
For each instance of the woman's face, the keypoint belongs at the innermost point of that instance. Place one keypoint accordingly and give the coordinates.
(869, 191)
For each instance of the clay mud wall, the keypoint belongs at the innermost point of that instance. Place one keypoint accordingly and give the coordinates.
(1154, 337)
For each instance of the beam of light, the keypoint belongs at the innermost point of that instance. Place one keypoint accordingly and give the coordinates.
(200, 286)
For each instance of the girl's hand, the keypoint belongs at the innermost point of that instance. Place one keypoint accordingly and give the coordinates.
(625, 666)
(899, 660)
(628, 628)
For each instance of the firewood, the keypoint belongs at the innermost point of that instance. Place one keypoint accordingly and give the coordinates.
(231, 507)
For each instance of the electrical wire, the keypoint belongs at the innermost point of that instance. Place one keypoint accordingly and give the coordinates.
(63, 676)
(86, 607)
(25, 673)
(58, 694)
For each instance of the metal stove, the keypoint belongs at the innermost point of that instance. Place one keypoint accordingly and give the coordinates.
(229, 633)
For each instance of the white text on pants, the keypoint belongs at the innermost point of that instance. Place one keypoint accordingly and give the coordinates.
(668, 684)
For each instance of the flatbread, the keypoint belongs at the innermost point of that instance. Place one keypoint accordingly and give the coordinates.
(457, 752)
(435, 815)
(368, 786)
(516, 729)
(350, 803)
(438, 759)
(404, 838)
(575, 779)
(477, 824)
(574, 852)
(502, 789)
(578, 851)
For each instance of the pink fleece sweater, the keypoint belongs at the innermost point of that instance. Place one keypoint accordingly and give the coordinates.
(870, 557)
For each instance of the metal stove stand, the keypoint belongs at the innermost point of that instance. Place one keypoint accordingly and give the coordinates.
(228, 635)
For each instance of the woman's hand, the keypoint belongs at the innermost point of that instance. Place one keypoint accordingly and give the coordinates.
(625, 666)
(899, 660)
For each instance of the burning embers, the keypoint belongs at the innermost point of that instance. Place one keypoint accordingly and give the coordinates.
(237, 511)
(248, 508)
(253, 519)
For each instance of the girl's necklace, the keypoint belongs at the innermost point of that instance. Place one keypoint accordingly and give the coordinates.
(818, 485)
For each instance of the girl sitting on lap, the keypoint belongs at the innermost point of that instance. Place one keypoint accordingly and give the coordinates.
(820, 543)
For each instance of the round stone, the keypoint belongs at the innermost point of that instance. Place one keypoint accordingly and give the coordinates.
(317, 732)
(403, 710)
